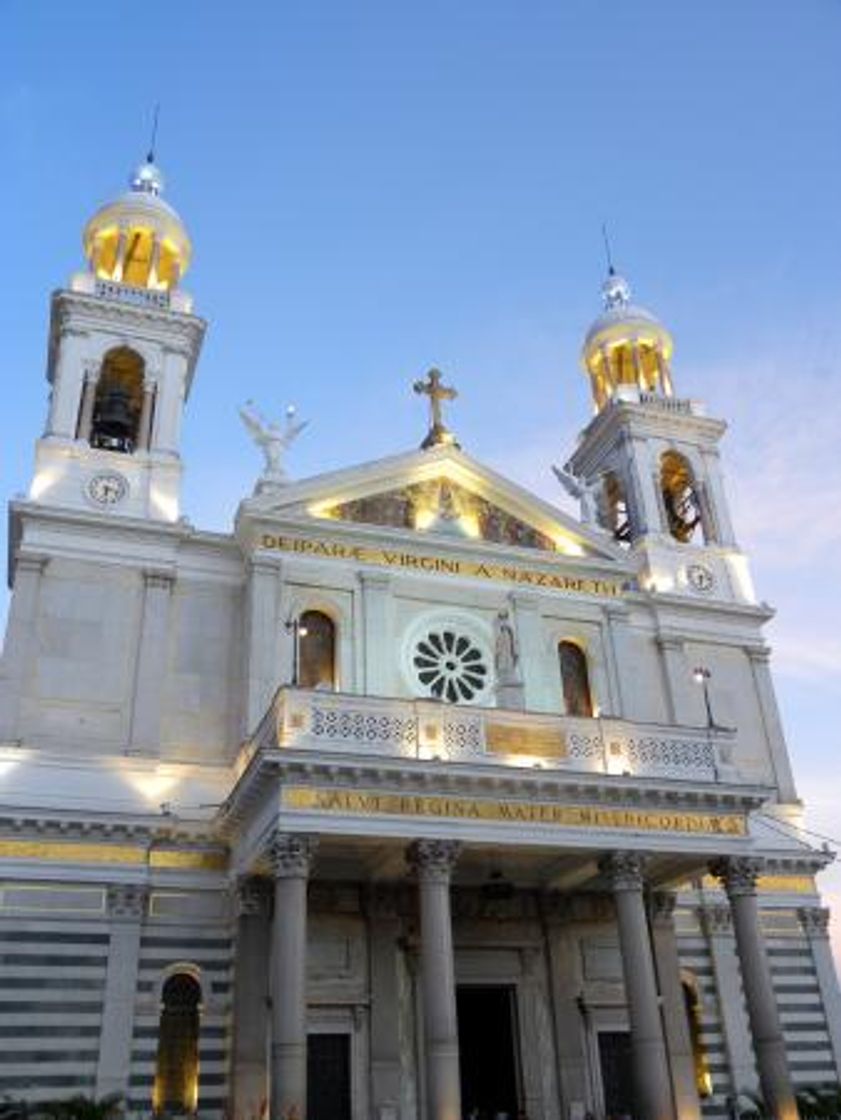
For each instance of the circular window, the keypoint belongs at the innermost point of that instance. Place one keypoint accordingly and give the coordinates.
(450, 666)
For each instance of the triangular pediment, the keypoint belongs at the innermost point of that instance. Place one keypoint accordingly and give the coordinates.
(439, 493)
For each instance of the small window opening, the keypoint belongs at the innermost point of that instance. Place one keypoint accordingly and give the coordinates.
(118, 402)
(575, 680)
(177, 1075)
(616, 508)
(680, 497)
(703, 1077)
(316, 651)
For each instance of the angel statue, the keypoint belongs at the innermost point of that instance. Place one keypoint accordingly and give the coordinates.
(588, 493)
(272, 439)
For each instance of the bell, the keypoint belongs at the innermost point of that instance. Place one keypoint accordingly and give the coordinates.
(114, 421)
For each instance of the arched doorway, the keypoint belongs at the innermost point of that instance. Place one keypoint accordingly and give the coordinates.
(177, 1072)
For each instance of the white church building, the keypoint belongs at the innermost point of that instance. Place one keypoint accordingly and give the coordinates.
(411, 797)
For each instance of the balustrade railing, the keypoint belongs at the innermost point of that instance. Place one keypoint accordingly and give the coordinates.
(127, 293)
(341, 723)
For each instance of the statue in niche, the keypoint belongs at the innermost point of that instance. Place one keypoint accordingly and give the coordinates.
(506, 653)
(510, 693)
(273, 440)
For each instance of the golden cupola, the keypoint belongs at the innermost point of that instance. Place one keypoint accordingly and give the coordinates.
(138, 239)
(627, 351)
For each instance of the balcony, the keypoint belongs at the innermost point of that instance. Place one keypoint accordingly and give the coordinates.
(341, 724)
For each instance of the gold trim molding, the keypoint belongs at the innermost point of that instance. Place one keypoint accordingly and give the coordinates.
(357, 802)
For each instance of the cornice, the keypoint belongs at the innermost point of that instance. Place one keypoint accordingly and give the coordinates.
(66, 303)
(268, 768)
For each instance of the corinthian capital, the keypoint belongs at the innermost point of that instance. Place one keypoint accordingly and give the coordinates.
(663, 909)
(814, 920)
(737, 874)
(291, 854)
(253, 897)
(623, 870)
(433, 860)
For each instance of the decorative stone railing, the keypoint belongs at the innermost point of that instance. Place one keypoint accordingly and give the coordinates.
(126, 293)
(332, 722)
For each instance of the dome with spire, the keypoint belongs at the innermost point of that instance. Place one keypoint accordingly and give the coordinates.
(626, 346)
(138, 239)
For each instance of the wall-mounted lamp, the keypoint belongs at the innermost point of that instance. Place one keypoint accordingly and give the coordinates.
(701, 675)
(293, 626)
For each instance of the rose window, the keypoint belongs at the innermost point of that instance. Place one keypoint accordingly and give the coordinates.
(450, 666)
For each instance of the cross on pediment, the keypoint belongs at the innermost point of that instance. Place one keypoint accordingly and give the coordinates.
(437, 392)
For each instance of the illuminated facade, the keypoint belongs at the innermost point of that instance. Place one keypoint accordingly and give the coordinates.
(413, 797)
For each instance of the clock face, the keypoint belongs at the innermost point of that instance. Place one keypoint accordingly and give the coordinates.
(700, 577)
(107, 489)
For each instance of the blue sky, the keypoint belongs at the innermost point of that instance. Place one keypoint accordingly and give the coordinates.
(373, 187)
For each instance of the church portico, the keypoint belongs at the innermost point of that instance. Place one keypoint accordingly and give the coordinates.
(402, 934)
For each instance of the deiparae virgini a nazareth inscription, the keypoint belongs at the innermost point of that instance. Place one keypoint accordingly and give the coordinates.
(409, 561)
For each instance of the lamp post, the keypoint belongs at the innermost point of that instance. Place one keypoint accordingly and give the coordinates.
(701, 675)
(294, 627)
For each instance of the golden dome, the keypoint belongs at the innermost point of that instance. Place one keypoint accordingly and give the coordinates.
(138, 239)
(626, 346)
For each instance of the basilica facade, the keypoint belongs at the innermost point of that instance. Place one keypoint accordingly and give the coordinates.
(412, 797)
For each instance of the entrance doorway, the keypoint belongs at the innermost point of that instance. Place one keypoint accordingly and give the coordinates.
(328, 1077)
(617, 1073)
(487, 1040)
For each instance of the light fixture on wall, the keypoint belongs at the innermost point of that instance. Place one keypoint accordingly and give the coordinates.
(293, 626)
(701, 675)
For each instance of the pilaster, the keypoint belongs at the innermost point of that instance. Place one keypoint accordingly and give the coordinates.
(815, 923)
(262, 669)
(250, 1074)
(376, 636)
(126, 910)
(21, 641)
(760, 658)
(152, 663)
(681, 708)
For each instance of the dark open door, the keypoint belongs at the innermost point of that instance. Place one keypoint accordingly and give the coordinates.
(617, 1083)
(328, 1077)
(487, 1040)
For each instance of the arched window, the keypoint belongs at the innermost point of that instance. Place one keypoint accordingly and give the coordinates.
(575, 680)
(177, 1074)
(680, 497)
(703, 1078)
(316, 651)
(117, 402)
(616, 509)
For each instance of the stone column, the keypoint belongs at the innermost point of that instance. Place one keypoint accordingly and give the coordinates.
(652, 1083)
(291, 857)
(67, 383)
(126, 909)
(144, 427)
(815, 923)
(250, 1081)
(377, 650)
(738, 876)
(717, 923)
(432, 862)
(83, 431)
(681, 708)
(673, 1007)
(152, 663)
(760, 664)
(21, 641)
(172, 390)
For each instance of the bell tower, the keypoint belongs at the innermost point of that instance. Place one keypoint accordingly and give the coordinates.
(123, 347)
(647, 466)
